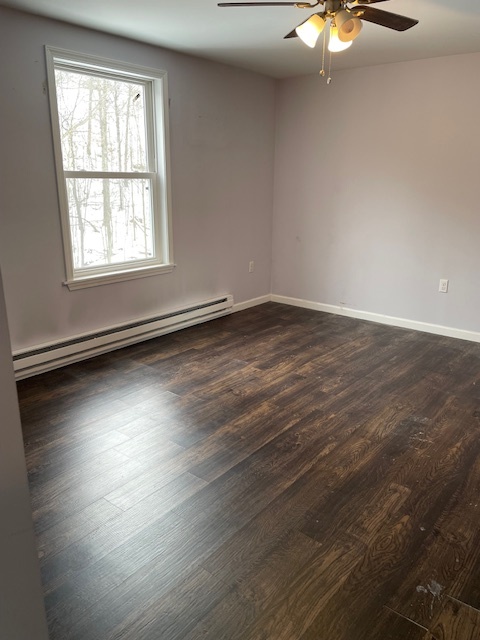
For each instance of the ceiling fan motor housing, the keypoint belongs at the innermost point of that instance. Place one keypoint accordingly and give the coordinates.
(332, 6)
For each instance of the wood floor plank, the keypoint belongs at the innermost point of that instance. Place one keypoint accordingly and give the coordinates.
(52, 478)
(388, 625)
(394, 550)
(149, 447)
(170, 613)
(162, 553)
(113, 533)
(449, 544)
(183, 420)
(237, 441)
(74, 499)
(59, 537)
(311, 589)
(385, 625)
(456, 621)
(247, 488)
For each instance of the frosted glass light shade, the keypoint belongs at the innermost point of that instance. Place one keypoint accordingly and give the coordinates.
(309, 30)
(334, 43)
(348, 25)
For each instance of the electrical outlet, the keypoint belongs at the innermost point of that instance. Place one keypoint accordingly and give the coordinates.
(251, 266)
(443, 286)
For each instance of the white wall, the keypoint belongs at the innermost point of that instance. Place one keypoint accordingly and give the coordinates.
(22, 615)
(377, 191)
(222, 144)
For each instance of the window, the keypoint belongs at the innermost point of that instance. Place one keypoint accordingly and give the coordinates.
(111, 148)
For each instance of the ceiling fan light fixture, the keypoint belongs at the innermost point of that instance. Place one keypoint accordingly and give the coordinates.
(334, 43)
(309, 30)
(348, 25)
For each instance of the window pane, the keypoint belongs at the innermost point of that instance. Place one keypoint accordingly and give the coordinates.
(110, 221)
(102, 123)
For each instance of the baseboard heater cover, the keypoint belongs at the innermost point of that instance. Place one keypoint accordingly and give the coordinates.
(32, 361)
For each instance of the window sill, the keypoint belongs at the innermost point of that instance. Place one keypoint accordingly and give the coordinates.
(82, 282)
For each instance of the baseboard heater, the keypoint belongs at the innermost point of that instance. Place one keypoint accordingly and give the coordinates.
(32, 361)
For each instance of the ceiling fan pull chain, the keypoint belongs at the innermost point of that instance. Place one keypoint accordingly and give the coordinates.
(322, 70)
(329, 79)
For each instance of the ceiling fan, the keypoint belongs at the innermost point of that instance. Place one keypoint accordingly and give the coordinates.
(345, 21)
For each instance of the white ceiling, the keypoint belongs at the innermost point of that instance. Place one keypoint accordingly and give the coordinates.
(252, 38)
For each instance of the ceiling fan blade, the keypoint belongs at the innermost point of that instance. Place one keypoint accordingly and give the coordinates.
(292, 34)
(384, 18)
(357, 2)
(265, 4)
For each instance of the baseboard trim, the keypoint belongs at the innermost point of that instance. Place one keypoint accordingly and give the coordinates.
(416, 325)
(248, 304)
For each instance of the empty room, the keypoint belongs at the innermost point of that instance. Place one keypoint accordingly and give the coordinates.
(239, 320)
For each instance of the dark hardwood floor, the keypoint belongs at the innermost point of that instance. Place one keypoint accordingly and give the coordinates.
(275, 474)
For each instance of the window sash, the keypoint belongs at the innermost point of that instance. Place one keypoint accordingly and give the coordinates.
(154, 237)
(156, 121)
(120, 175)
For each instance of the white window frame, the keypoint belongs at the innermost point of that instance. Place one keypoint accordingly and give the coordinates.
(155, 82)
